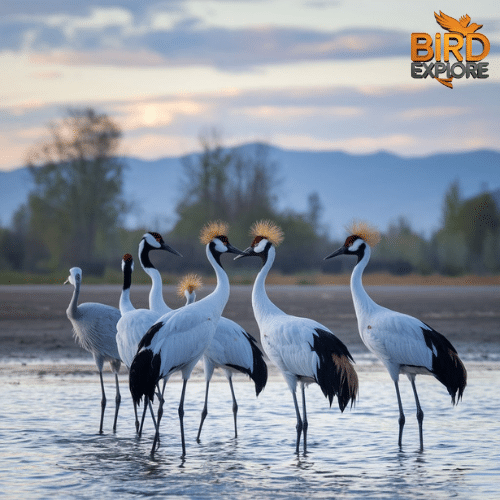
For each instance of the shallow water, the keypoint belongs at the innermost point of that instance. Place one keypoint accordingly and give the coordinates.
(49, 446)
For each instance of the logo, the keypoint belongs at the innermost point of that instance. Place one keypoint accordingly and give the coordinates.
(460, 34)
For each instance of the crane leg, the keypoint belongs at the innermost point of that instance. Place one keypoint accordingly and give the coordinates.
(299, 421)
(235, 407)
(151, 410)
(181, 418)
(136, 420)
(401, 414)
(161, 400)
(147, 403)
(103, 402)
(204, 412)
(420, 413)
(305, 424)
(157, 432)
(118, 400)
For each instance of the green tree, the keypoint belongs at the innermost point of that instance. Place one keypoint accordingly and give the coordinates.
(223, 183)
(77, 197)
(451, 252)
(478, 216)
(468, 240)
(451, 208)
(491, 251)
(239, 186)
(402, 251)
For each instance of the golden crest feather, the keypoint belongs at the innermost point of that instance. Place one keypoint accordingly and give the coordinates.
(366, 232)
(190, 282)
(212, 230)
(269, 230)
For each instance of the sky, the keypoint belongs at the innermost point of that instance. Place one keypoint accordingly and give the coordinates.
(299, 74)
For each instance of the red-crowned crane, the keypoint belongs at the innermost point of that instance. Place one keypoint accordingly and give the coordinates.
(179, 338)
(94, 327)
(134, 323)
(304, 350)
(403, 343)
(232, 349)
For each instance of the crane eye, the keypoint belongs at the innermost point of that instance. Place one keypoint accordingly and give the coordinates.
(256, 241)
(350, 240)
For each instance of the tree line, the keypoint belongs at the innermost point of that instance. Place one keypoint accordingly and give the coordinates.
(74, 215)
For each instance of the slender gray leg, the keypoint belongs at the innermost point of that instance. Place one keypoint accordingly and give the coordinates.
(137, 428)
(103, 402)
(420, 413)
(235, 407)
(401, 414)
(161, 400)
(151, 410)
(299, 421)
(204, 412)
(160, 414)
(147, 403)
(118, 400)
(305, 423)
(181, 418)
(160, 393)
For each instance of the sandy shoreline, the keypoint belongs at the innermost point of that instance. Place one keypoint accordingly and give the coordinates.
(36, 336)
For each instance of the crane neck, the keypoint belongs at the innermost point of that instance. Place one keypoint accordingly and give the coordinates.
(72, 310)
(262, 305)
(125, 303)
(156, 302)
(363, 303)
(219, 297)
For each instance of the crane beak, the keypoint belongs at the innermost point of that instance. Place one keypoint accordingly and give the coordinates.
(340, 251)
(231, 249)
(170, 249)
(247, 253)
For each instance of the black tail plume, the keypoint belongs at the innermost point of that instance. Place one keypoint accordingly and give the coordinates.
(335, 374)
(259, 370)
(144, 375)
(447, 367)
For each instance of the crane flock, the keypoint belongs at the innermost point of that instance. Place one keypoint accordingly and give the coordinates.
(156, 342)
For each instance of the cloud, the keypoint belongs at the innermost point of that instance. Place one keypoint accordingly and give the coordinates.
(285, 113)
(116, 35)
(402, 119)
(208, 33)
(435, 112)
(153, 114)
(15, 145)
(105, 57)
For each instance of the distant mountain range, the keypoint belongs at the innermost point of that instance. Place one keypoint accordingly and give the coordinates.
(379, 187)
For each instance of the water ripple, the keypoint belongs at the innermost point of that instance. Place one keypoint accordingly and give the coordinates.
(49, 444)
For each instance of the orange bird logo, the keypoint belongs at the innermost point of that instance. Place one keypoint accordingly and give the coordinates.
(461, 26)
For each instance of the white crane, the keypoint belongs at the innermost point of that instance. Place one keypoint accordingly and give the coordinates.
(135, 322)
(403, 343)
(232, 349)
(179, 338)
(94, 327)
(304, 350)
(124, 344)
